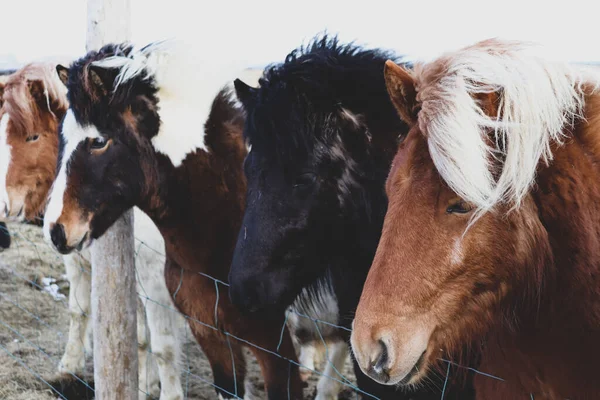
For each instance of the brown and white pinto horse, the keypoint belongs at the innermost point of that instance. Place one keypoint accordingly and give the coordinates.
(144, 128)
(491, 237)
(35, 102)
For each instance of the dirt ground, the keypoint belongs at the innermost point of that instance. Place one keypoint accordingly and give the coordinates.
(34, 324)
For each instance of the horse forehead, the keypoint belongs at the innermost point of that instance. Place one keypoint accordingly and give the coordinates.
(406, 150)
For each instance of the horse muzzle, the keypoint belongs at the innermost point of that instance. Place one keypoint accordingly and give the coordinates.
(65, 244)
(388, 353)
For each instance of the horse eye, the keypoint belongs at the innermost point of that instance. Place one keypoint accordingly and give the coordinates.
(305, 179)
(32, 138)
(98, 143)
(460, 207)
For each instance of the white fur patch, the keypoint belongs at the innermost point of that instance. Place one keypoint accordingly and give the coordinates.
(187, 85)
(538, 98)
(456, 256)
(73, 134)
(4, 163)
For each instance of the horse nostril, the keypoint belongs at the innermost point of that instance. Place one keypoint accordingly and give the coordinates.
(379, 369)
(58, 237)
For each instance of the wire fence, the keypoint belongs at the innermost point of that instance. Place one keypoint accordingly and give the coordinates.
(36, 315)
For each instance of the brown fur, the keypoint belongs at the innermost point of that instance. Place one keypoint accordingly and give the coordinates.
(31, 113)
(198, 208)
(183, 220)
(525, 286)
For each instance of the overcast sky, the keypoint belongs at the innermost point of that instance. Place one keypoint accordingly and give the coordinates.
(263, 31)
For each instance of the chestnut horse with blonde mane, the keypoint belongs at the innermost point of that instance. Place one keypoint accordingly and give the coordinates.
(491, 238)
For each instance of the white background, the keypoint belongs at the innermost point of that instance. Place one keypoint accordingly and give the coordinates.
(264, 31)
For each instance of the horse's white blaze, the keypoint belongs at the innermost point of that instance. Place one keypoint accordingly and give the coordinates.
(73, 134)
(4, 163)
(187, 85)
(456, 256)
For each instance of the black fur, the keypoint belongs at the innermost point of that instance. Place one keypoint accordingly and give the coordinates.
(316, 176)
(4, 236)
(94, 101)
(73, 388)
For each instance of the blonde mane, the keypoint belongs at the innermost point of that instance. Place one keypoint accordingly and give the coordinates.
(18, 101)
(538, 99)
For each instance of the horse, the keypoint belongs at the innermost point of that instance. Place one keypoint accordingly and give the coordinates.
(156, 127)
(323, 134)
(35, 102)
(490, 238)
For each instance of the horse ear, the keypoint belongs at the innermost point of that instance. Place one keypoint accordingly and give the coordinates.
(102, 78)
(401, 88)
(245, 93)
(63, 73)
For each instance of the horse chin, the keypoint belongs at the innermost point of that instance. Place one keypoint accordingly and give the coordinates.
(85, 242)
(16, 213)
(413, 377)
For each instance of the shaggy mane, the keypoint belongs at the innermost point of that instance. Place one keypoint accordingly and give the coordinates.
(538, 100)
(315, 84)
(19, 103)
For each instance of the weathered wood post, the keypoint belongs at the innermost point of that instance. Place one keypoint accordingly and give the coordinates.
(114, 298)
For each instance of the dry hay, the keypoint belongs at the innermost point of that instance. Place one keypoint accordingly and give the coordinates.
(34, 325)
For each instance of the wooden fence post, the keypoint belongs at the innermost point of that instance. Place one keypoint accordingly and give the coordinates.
(114, 299)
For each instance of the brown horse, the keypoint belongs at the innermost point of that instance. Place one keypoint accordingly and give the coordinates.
(491, 237)
(152, 128)
(34, 103)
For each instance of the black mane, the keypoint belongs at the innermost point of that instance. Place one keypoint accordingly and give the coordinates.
(321, 78)
(91, 92)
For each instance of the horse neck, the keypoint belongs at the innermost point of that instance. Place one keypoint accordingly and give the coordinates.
(568, 197)
(362, 224)
(198, 207)
(555, 337)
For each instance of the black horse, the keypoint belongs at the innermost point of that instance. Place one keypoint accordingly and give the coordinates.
(323, 133)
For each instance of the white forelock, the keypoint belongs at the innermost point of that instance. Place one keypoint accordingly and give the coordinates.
(187, 81)
(72, 134)
(538, 98)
